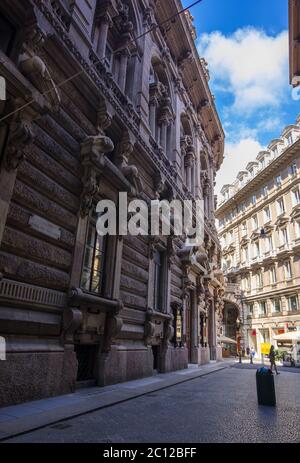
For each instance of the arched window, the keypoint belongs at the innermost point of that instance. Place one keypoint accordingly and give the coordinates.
(161, 114)
(115, 47)
(188, 157)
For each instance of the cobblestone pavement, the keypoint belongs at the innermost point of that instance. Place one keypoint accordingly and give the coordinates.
(221, 407)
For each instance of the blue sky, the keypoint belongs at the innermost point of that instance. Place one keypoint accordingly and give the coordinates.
(246, 46)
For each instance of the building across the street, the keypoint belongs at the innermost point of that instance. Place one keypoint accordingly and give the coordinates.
(259, 228)
(96, 106)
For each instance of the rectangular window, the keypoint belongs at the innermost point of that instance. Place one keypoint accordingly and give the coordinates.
(265, 191)
(276, 306)
(293, 170)
(244, 228)
(248, 283)
(289, 139)
(251, 309)
(256, 249)
(280, 206)
(297, 230)
(158, 260)
(287, 270)
(92, 279)
(293, 304)
(260, 282)
(284, 238)
(267, 214)
(255, 222)
(273, 276)
(296, 197)
(269, 244)
(278, 181)
(262, 308)
(245, 252)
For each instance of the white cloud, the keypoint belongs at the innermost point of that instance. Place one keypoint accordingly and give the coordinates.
(237, 156)
(250, 65)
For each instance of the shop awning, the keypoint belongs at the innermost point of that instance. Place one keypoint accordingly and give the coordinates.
(289, 336)
(226, 340)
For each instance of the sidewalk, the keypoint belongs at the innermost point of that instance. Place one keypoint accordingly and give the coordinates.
(19, 419)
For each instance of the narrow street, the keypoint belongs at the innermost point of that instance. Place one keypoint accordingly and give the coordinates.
(220, 407)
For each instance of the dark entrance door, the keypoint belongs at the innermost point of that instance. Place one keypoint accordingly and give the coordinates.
(155, 351)
(86, 357)
(188, 325)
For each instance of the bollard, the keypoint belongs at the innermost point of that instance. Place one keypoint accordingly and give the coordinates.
(265, 387)
(251, 360)
(240, 357)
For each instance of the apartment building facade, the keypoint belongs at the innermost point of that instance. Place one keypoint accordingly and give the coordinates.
(259, 227)
(107, 107)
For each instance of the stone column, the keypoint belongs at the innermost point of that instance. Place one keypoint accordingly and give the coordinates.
(212, 331)
(189, 161)
(124, 55)
(152, 116)
(103, 23)
(163, 134)
(194, 329)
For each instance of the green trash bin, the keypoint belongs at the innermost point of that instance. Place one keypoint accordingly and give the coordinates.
(265, 387)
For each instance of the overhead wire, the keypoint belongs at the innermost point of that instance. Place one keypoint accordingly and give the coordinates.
(135, 39)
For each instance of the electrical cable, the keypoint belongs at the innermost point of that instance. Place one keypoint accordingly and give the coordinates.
(155, 26)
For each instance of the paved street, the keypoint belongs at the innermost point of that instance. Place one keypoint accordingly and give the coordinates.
(220, 407)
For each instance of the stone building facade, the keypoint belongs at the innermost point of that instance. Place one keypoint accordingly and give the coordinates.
(294, 42)
(102, 107)
(259, 228)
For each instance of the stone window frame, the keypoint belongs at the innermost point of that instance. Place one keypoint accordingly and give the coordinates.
(92, 222)
(113, 261)
(296, 196)
(274, 306)
(288, 272)
(289, 304)
(166, 277)
(280, 203)
(273, 275)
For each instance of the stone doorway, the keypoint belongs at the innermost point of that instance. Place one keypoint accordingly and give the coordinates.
(86, 371)
(155, 352)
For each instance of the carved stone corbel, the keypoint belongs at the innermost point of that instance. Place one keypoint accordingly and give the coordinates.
(162, 190)
(113, 327)
(169, 330)
(34, 67)
(171, 252)
(72, 319)
(149, 328)
(93, 151)
(130, 171)
(21, 136)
